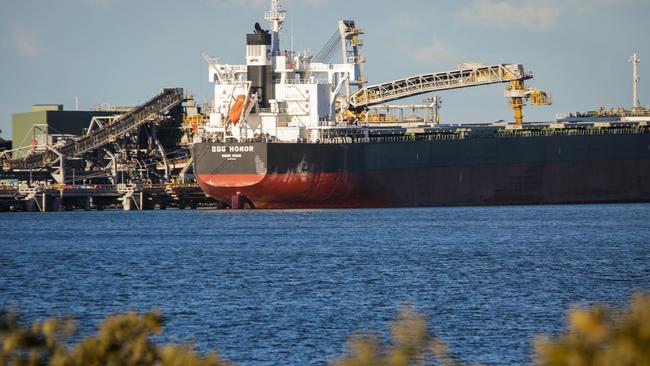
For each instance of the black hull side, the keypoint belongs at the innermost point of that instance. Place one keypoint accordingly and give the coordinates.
(473, 171)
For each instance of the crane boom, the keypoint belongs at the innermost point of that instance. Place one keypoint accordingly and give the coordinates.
(465, 76)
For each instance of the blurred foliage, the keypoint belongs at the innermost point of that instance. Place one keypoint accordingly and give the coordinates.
(411, 345)
(122, 340)
(601, 336)
(596, 336)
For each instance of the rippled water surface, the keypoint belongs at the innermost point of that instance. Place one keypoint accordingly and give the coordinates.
(288, 287)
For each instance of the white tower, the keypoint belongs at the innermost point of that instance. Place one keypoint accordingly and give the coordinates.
(635, 80)
(276, 16)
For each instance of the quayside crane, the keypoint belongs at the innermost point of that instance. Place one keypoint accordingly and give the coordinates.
(355, 104)
(467, 75)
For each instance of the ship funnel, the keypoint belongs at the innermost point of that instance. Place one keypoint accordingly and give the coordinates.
(259, 64)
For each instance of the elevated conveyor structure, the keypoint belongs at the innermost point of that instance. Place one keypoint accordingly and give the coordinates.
(147, 112)
(471, 75)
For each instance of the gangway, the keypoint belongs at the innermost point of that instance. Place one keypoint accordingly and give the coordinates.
(147, 112)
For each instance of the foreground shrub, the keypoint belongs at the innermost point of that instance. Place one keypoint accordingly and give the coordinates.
(122, 340)
(597, 335)
(601, 336)
(411, 344)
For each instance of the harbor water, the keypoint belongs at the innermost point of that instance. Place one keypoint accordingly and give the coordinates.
(289, 287)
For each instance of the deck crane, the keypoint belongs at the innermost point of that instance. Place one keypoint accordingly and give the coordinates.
(354, 104)
(467, 75)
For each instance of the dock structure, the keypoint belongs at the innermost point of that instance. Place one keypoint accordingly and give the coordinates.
(133, 159)
(140, 144)
(128, 197)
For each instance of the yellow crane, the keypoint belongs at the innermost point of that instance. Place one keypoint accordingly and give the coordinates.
(467, 75)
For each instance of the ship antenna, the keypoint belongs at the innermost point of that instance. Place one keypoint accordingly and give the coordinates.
(635, 80)
(276, 16)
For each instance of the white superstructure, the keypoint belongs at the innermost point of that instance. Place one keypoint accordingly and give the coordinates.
(287, 96)
(305, 93)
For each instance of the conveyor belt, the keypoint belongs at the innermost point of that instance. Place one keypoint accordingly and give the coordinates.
(473, 75)
(160, 104)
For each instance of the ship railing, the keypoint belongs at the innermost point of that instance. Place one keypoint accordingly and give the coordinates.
(601, 112)
(302, 81)
(584, 130)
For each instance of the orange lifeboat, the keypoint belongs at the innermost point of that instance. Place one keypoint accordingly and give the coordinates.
(241, 102)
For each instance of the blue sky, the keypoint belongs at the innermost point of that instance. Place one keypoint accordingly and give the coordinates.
(123, 51)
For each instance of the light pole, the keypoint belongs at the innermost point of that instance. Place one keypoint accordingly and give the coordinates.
(634, 60)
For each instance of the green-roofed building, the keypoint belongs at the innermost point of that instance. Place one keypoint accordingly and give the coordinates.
(49, 121)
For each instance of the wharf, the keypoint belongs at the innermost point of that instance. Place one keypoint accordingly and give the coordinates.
(56, 197)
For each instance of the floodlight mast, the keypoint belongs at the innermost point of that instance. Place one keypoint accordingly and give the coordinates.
(276, 16)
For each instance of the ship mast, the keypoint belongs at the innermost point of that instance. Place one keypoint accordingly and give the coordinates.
(635, 80)
(276, 16)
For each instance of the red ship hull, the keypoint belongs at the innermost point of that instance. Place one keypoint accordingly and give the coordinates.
(305, 190)
(575, 169)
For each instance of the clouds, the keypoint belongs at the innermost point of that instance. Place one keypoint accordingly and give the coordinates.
(606, 2)
(97, 3)
(403, 21)
(538, 16)
(264, 4)
(436, 51)
(231, 3)
(528, 15)
(430, 50)
(24, 41)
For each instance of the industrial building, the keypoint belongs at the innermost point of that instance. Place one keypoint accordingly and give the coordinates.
(4, 144)
(47, 124)
(146, 143)
(126, 157)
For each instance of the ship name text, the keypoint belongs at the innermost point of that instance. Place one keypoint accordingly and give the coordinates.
(232, 149)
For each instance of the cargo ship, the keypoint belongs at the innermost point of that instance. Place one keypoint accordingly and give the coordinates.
(292, 130)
